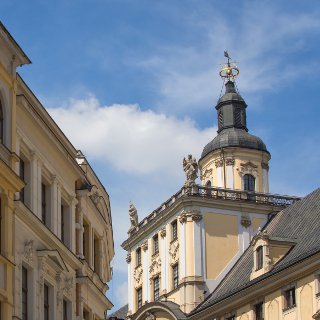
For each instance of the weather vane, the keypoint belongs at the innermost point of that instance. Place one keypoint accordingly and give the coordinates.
(229, 71)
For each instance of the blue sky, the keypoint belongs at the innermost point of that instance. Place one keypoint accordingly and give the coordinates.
(142, 78)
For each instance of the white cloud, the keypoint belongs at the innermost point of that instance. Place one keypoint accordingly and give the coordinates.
(263, 38)
(132, 140)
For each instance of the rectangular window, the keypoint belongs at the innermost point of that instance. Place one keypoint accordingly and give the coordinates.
(174, 228)
(22, 177)
(46, 305)
(258, 311)
(231, 318)
(155, 244)
(175, 270)
(156, 288)
(65, 310)
(96, 249)
(85, 239)
(24, 294)
(44, 203)
(138, 257)
(62, 224)
(139, 298)
(289, 298)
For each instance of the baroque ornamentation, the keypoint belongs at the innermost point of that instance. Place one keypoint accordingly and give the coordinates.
(218, 163)
(174, 251)
(190, 167)
(68, 284)
(190, 214)
(163, 232)
(155, 265)
(28, 251)
(150, 316)
(245, 221)
(137, 276)
(128, 258)
(206, 174)
(264, 165)
(230, 162)
(145, 246)
(248, 167)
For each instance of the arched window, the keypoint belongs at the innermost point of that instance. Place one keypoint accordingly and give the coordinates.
(259, 257)
(1, 123)
(248, 182)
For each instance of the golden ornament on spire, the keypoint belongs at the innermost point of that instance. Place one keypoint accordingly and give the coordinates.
(229, 71)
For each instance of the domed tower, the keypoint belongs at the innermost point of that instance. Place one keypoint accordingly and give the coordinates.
(234, 159)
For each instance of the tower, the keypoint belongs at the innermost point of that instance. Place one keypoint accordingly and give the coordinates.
(234, 159)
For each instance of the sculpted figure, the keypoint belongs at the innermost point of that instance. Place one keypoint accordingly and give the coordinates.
(190, 167)
(133, 215)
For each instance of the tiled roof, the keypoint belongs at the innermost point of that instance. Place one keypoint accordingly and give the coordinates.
(120, 314)
(299, 222)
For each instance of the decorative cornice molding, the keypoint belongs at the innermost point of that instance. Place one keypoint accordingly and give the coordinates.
(191, 214)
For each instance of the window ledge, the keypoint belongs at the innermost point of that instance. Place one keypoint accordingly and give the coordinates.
(287, 310)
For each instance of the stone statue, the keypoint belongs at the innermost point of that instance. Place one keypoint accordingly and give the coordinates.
(190, 167)
(133, 214)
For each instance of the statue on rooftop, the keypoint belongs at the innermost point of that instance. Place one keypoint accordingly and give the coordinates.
(190, 167)
(133, 215)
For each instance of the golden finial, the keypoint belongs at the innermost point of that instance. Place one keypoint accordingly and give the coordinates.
(229, 71)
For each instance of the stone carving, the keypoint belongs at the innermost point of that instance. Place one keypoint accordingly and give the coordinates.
(163, 232)
(68, 284)
(264, 165)
(128, 258)
(174, 251)
(248, 167)
(137, 276)
(133, 214)
(206, 174)
(155, 266)
(190, 167)
(245, 221)
(190, 214)
(145, 246)
(28, 251)
(218, 163)
(230, 162)
(150, 316)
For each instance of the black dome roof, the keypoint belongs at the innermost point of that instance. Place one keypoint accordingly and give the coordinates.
(234, 137)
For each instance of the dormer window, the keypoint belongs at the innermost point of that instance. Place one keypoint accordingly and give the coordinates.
(259, 258)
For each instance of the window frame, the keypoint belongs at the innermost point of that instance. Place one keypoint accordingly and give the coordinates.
(44, 205)
(175, 276)
(259, 258)
(138, 257)
(155, 241)
(24, 293)
(174, 230)
(139, 297)
(289, 299)
(249, 185)
(261, 311)
(156, 288)
(46, 302)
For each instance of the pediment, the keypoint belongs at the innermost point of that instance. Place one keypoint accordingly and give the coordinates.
(54, 259)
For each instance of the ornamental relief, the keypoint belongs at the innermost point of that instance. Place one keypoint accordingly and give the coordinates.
(28, 252)
(155, 266)
(191, 214)
(206, 174)
(137, 276)
(174, 251)
(248, 167)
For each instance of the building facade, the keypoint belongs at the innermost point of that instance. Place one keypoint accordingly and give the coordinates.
(182, 254)
(56, 226)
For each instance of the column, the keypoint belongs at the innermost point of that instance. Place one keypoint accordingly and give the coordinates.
(265, 179)
(79, 228)
(35, 193)
(182, 247)
(198, 260)
(230, 173)
(164, 263)
(145, 265)
(72, 218)
(219, 165)
(130, 285)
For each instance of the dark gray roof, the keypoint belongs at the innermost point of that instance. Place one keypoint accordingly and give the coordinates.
(234, 137)
(299, 222)
(120, 314)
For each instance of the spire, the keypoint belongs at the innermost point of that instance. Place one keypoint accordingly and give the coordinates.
(231, 106)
